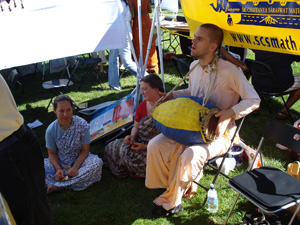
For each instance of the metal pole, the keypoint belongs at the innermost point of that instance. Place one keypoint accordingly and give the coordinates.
(160, 52)
(140, 32)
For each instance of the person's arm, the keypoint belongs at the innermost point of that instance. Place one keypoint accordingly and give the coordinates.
(73, 171)
(250, 100)
(59, 174)
(129, 139)
(225, 116)
(234, 60)
(138, 146)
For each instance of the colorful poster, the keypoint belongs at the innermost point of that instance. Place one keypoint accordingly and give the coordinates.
(270, 25)
(112, 118)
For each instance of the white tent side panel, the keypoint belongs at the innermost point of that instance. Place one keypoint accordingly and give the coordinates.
(51, 29)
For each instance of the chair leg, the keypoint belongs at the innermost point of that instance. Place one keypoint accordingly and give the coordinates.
(288, 110)
(85, 76)
(232, 207)
(294, 215)
(82, 80)
(50, 101)
(206, 189)
(263, 98)
(96, 78)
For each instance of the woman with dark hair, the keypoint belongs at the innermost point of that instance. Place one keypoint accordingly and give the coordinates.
(70, 163)
(128, 155)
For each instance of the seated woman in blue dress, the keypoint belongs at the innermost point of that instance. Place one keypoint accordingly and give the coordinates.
(70, 164)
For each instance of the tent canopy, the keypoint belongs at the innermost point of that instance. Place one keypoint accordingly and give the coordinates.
(51, 29)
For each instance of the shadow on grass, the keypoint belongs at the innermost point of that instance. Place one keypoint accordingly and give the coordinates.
(128, 201)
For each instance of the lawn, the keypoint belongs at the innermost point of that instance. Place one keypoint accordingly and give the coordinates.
(128, 201)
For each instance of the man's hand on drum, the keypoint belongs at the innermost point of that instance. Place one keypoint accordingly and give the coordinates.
(225, 116)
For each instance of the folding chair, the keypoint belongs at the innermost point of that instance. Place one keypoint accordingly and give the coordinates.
(261, 71)
(210, 162)
(269, 188)
(14, 79)
(59, 85)
(182, 68)
(88, 64)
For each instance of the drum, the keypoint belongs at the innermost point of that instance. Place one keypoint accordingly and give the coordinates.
(185, 121)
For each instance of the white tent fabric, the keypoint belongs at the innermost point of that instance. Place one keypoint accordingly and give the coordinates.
(171, 5)
(51, 29)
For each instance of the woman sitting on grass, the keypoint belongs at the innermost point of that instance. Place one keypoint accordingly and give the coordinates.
(128, 155)
(70, 164)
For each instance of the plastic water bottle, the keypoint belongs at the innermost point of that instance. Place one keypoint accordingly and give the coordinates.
(212, 199)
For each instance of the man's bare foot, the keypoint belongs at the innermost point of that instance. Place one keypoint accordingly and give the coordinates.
(191, 191)
(52, 188)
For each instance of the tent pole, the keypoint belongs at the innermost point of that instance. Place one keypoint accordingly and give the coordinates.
(160, 52)
(135, 93)
(140, 61)
(140, 32)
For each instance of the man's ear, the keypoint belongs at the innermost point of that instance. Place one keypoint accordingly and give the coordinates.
(213, 47)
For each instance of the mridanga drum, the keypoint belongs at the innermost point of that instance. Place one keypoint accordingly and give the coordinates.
(186, 121)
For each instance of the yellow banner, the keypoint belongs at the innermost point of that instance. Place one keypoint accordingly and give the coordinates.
(272, 25)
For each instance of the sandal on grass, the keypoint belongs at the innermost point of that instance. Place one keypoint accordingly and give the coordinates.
(256, 218)
(159, 211)
(284, 116)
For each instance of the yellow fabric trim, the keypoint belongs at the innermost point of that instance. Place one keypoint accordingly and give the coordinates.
(174, 33)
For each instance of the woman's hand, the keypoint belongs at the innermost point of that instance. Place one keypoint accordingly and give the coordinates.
(59, 175)
(128, 140)
(72, 172)
(138, 146)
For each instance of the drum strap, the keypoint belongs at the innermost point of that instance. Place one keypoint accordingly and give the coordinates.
(213, 70)
(212, 67)
(176, 86)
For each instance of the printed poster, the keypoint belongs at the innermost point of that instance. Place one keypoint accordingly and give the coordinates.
(269, 25)
(112, 118)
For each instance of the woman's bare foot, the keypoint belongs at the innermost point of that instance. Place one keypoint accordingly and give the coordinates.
(191, 191)
(52, 188)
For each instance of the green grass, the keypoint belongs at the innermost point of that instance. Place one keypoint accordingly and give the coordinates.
(128, 201)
